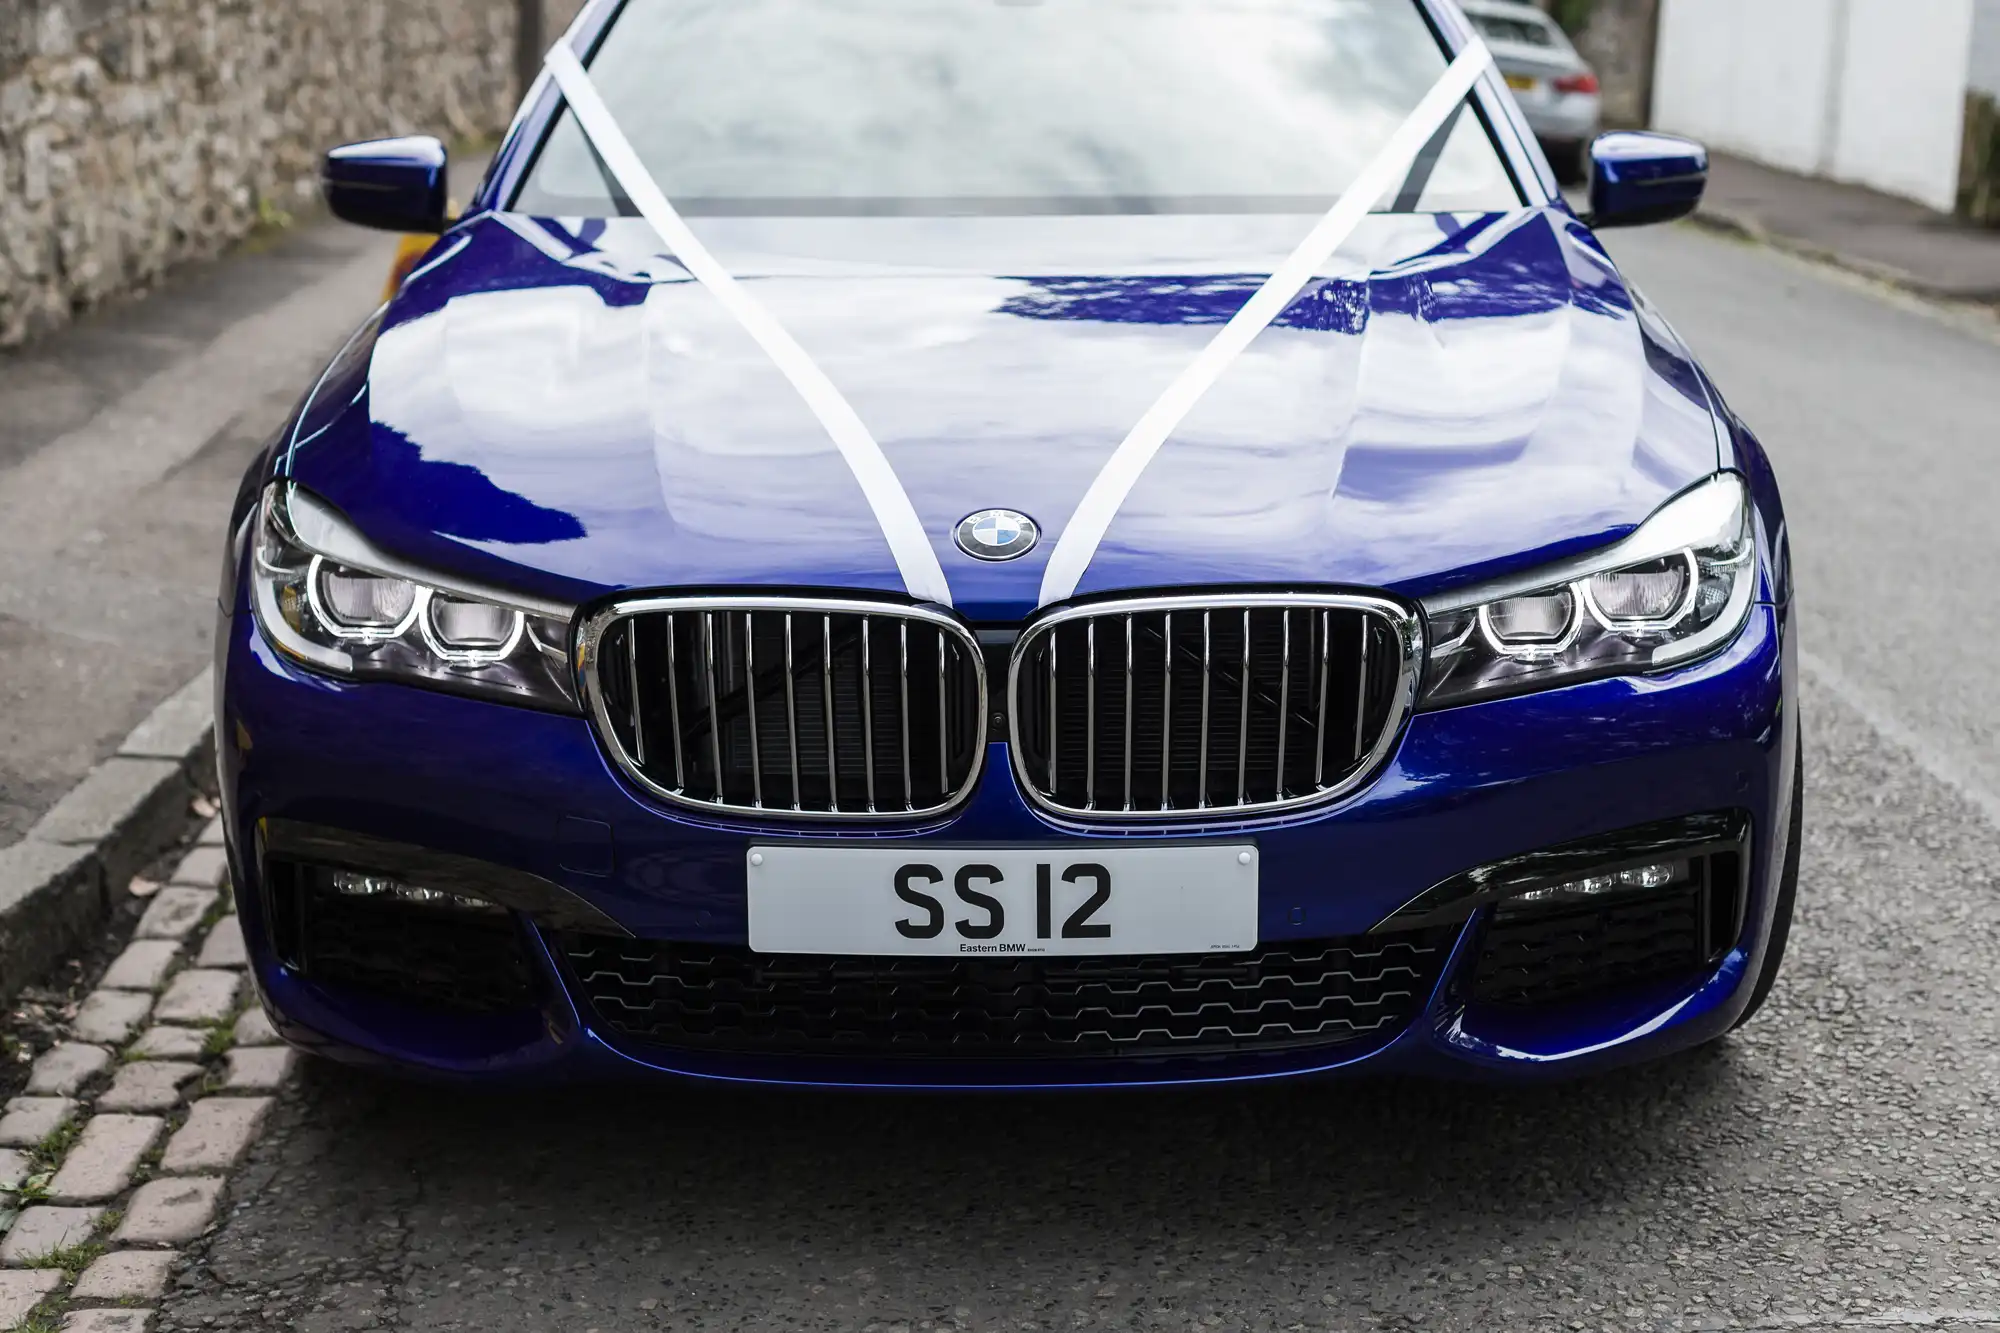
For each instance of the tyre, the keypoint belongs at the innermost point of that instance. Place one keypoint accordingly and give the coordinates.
(1571, 162)
(1788, 893)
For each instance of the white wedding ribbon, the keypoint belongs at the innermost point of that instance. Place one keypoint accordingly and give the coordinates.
(1101, 503)
(904, 531)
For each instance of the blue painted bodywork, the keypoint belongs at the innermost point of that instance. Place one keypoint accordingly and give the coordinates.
(1638, 178)
(553, 405)
(391, 184)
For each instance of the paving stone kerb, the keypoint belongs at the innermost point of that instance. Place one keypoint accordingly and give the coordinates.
(216, 1133)
(259, 1068)
(111, 1016)
(174, 913)
(173, 1211)
(170, 1043)
(22, 1290)
(224, 946)
(149, 1085)
(29, 1120)
(65, 1067)
(254, 1029)
(143, 965)
(202, 868)
(200, 995)
(42, 1230)
(108, 1321)
(101, 1164)
(126, 1275)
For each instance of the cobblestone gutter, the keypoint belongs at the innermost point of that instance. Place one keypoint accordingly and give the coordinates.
(117, 1151)
(138, 134)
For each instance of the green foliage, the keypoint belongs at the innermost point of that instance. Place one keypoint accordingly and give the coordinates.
(72, 1259)
(270, 217)
(221, 1036)
(55, 1145)
(1979, 174)
(1573, 15)
(35, 1189)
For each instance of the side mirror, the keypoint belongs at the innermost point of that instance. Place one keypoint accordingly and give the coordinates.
(1638, 178)
(391, 184)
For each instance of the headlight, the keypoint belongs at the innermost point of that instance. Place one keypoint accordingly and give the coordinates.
(328, 597)
(1675, 589)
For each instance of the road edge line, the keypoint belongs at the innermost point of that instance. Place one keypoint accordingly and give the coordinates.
(1922, 751)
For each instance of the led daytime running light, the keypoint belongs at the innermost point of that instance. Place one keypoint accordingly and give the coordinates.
(347, 631)
(458, 654)
(1586, 589)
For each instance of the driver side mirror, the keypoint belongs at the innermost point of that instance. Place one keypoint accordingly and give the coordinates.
(1638, 178)
(389, 184)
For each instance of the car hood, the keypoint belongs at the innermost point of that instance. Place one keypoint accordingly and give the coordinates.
(558, 406)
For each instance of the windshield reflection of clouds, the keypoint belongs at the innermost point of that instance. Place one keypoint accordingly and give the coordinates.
(1067, 99)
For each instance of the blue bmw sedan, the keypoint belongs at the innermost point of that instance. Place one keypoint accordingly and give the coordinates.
(1012, 544)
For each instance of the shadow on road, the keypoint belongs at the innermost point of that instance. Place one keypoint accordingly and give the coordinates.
(772, 1202)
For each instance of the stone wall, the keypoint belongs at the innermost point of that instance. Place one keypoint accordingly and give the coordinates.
(1617, 37)
(1618, 42)
(138, 134)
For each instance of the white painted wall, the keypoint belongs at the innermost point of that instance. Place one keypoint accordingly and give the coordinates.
(1869, 91)
(1747, 76)
(1986, 47)
(1900, 126)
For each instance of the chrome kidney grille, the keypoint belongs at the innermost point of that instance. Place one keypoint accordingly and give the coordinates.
(1178, 707)
(819, 709)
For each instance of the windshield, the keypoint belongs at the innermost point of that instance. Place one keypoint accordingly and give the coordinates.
(929, 107)
(1522, 31)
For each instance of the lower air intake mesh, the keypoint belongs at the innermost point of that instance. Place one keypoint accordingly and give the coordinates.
(1328, 993)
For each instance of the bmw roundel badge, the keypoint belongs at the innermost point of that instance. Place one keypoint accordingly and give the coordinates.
(997, 534)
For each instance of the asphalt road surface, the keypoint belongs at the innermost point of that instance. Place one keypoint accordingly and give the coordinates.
(121, 441)
(1836, 1165)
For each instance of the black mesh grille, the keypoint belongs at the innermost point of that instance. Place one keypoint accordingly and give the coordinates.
(436, 957)
(807, 710)
(1329, 993)
(1193, 707)
(1561, 954)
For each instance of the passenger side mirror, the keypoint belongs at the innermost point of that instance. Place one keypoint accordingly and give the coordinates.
(390, 184)
(1639, 178)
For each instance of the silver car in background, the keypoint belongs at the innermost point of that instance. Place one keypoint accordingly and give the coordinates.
(1557, 90)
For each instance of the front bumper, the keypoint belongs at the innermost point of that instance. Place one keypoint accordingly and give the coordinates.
(532, 795)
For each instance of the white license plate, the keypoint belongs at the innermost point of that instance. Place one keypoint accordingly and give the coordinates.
(958, 902)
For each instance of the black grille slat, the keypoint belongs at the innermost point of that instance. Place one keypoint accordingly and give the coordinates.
(1327, 993)
(1183, 707)
(794, 709)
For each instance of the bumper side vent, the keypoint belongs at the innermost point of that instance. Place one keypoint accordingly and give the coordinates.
(437, 955)
(1562, 953)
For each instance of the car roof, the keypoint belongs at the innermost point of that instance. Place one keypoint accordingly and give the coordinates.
(1513, 9)
(1559, 47)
